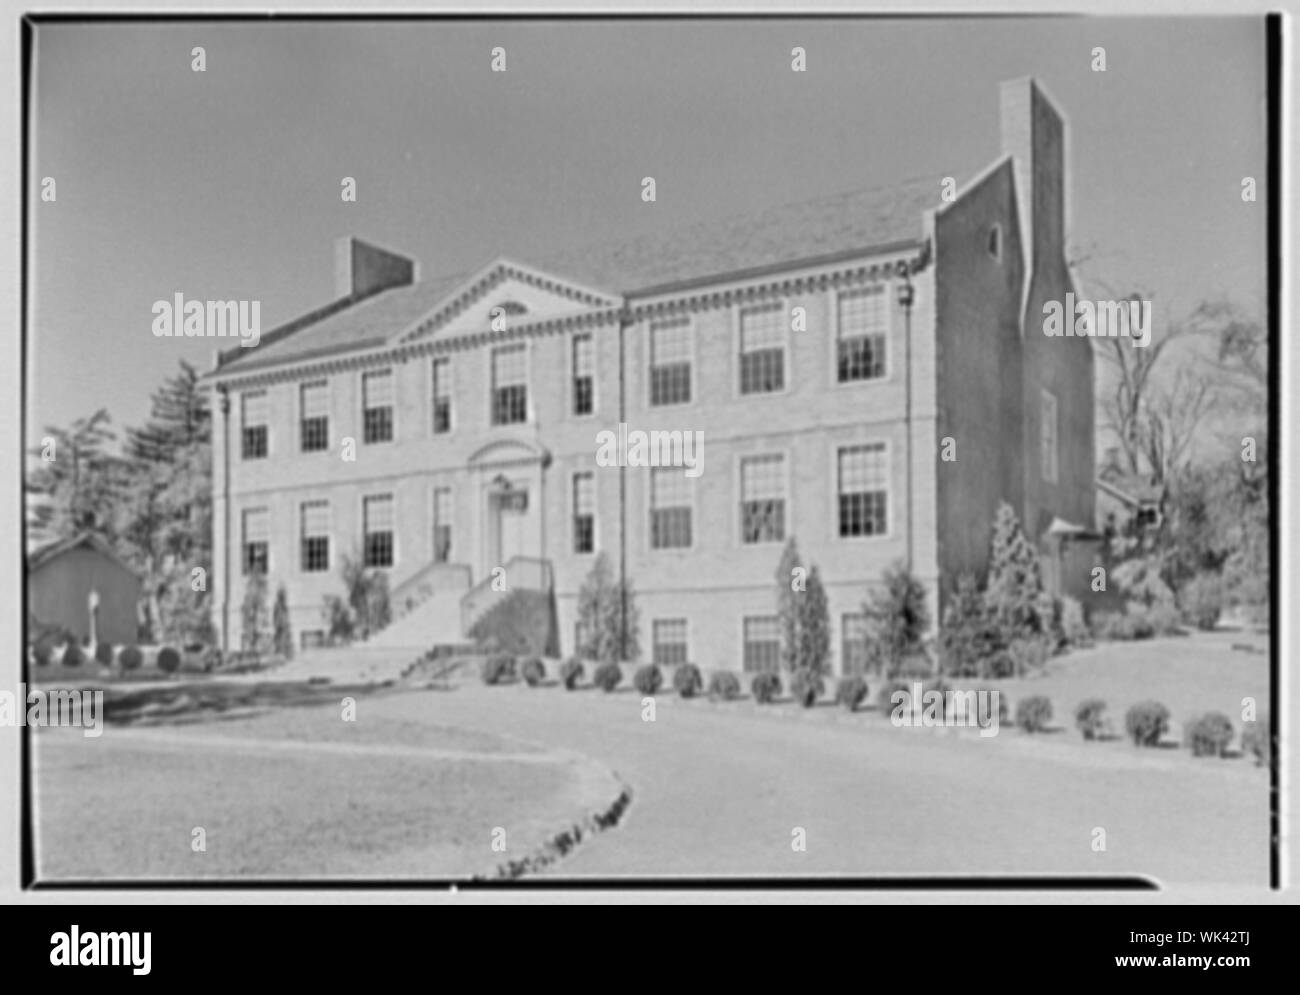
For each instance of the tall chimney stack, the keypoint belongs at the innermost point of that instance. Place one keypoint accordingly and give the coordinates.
(362, 269)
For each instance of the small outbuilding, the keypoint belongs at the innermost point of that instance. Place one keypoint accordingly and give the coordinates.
(82, 585)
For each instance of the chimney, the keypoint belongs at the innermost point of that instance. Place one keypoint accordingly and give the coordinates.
(1034, 133)
(362, 269)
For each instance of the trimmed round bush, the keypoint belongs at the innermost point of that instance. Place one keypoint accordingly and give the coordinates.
(169, 661)
(1033, 713)
(498, 669)
(1146, 722)
(724, 684)
(571, 672)
(130, 658)
(1001, 665)
(687, 680)
(765, 687)
(886, 705)
(607, 676)
(1089, 717)
(42, 651)
(104, 654)
(851, 691)
(534, 671)
(1209, 735)
(74, 655)
(1255, 740)
(648, 679)
(807, 686)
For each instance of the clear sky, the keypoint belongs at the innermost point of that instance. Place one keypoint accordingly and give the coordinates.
(225, 184)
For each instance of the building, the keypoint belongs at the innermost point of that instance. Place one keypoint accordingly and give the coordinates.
(80, 585)
(868, 370)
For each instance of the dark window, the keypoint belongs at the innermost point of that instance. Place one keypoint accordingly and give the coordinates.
(377, 402)
(509, 386)
(670, 362)
(256, 413)
(441, 396)
(257, 557)
(255, 442)
(863, 322)
(315, 539)
(762, 349)
(762, 643)
(670, 641)
(257, 540)
(863, 491)
(762, 499)
(584, 513)
(378, 518)
(442, 525)
(583, 376)
(315, 416)
(670, 509)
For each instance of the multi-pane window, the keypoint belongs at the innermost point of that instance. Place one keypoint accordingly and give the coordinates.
(670, 508)
(377, 405)
(442, 525)
(584, 375)
(509, 385)
(762, 499)
(762, 349)
(1047, 436)
(441, 396)
(670, 361)
(584, 513)
(670, 641)
(862, 328)
(315, 536)
(853, 645)
(863, 490)
(255, 414)
(762, 642)
(315, 423)
(257, 540)
(377, 515)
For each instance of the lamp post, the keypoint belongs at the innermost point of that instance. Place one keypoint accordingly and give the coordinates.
(906, 295)
(225, 512)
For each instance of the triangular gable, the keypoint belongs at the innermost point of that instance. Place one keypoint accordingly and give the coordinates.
(55, 549)
(524, 292)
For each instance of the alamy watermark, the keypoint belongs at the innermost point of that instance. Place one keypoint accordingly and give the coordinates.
(919, 707)
(198, 319)
(637, 448)
(58, 707)
(1098, 319)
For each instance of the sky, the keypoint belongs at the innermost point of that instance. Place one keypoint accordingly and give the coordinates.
(225, 184)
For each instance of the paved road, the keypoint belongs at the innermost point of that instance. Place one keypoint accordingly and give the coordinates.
(721, 790)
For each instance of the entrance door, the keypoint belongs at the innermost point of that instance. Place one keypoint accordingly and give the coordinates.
(510, 512)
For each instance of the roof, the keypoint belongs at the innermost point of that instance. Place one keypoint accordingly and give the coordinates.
(53, 550)
(809, 231)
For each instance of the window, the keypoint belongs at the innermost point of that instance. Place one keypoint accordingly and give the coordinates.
(762, 643)
(670, 361)
(442, 525)
(863, 322)
(995, 241)
(255, 414)
(853, 645)
(762, 499)
(584, 374)
(257, 540)
(1047, 436)
(377, 514)
(315, 536)
(670, 641)
(670, 508)
(509, 385)
(863, 490)
(441, 396)
(762, 349)
(315, 424)
(312, 638)
(377, 406)
(584, 513)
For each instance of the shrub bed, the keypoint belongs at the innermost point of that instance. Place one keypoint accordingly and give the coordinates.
(498, 669)
(534, 671)
(687, 680)
(571, 673)
(607, 676)
(1146, 722)
(1033, 713)
(765, 687)
(648, 679)
(1089, 718)
(724, 684)
(807, 686)
(1209, 735)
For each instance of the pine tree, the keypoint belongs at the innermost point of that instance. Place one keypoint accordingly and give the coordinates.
(814, 626)
(1015, 588)
(897, 619)
(970, 636)
(791, 587)
(73, 482)
(283, 637)
(179, 420)
(608, 617)
(252, 613)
